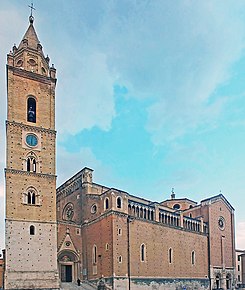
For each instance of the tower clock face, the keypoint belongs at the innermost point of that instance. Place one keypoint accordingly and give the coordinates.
(31, 140)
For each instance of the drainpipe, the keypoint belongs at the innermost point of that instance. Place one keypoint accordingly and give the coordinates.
(129, 219)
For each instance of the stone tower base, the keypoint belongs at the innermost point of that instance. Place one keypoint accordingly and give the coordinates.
(28, 281)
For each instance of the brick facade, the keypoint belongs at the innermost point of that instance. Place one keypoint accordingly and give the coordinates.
(116, 225)
(31, 224)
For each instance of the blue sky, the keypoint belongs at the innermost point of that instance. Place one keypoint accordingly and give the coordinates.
(150, 94)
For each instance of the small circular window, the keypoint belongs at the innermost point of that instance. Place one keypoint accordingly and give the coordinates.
(94, 208)
(32, 61)
(31, 140)
(68, 244)
(176, 206)
(19, 62)
(221, 223)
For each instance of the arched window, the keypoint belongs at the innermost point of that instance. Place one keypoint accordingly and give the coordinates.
(31, 197)
(94, 254)
(28, 165)
(142, 252)
(119, 202)
(193, 257)
(31, 164)
(152, 215)
(32, 230)
(170, 256)
(106, 203)
(31, 110)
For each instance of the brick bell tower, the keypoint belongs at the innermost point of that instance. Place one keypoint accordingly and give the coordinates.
(31, 227)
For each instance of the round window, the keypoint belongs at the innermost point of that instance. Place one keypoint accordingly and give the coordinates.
(32, 61)
(31, 140)
(69, 213)
(176, 206)
(19, 62)
(221, 223)
(94, 208)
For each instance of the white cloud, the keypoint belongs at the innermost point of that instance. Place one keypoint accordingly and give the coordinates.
(177, 55)
(69, 163)
(240, 235)
(86, 94)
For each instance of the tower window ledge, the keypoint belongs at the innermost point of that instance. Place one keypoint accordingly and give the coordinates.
(28, 204)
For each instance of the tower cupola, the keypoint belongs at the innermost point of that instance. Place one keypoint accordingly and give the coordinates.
(28, 55)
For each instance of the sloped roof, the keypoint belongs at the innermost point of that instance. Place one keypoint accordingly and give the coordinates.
(218, 197)
(31, 36)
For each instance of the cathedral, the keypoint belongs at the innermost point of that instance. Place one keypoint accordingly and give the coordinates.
(86, 231)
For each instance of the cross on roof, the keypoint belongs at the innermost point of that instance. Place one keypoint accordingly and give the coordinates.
(32, 8)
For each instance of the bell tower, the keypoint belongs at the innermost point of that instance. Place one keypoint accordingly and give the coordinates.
(31, 227)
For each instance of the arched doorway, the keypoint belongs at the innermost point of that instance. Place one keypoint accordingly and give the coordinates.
(68, 266)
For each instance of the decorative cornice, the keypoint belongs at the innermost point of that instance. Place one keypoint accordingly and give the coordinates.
(31, 75)
(28, 173)
(31, 221)
(216, 198)
(30, 128)
(71, 181)
(106, 214)
(68, 223)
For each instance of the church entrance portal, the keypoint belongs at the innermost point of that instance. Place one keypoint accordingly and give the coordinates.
(66, 273)
(68, 266)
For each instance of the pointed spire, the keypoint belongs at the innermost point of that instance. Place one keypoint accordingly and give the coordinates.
(30, 38)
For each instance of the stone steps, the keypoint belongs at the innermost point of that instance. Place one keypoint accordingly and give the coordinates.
(84, 286)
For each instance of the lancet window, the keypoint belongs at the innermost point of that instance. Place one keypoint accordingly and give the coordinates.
(94, 254)
(106, 205)
(32, 230)
(142, 252)
(31, 110)
(170, 256)
(119, 202)
(31, 164)
(31, 197)
(193, 257)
